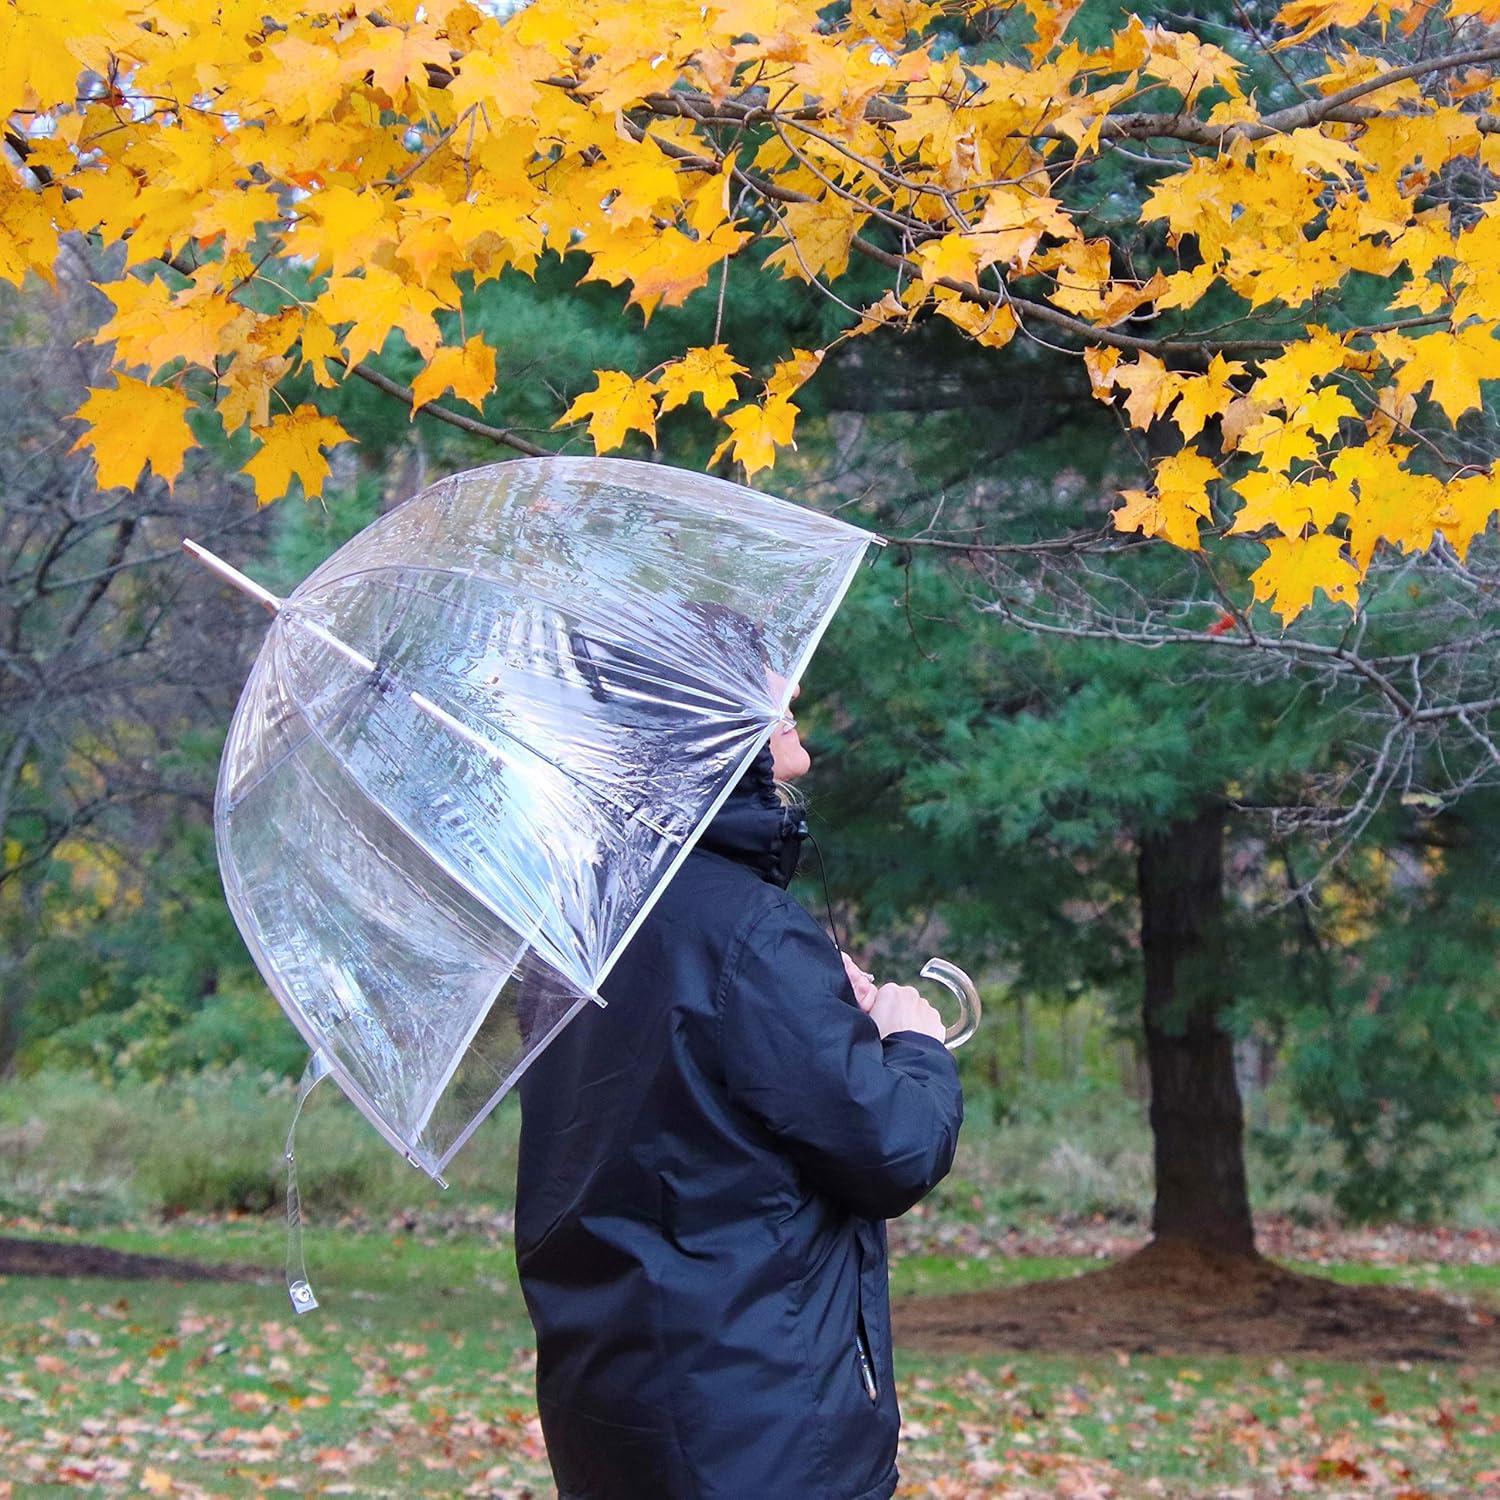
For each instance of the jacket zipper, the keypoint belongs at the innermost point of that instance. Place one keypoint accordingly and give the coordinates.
(866, 1366)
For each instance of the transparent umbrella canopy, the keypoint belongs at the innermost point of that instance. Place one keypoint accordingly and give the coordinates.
(476, 744)
(479, 740)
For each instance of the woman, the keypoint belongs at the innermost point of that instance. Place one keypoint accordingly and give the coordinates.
(705, 1170)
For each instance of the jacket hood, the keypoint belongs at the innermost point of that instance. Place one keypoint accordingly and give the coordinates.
(754, 828)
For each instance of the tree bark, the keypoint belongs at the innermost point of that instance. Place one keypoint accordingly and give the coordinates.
(1197, 1122)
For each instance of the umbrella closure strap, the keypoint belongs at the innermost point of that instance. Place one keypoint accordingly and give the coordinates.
(297, 1285)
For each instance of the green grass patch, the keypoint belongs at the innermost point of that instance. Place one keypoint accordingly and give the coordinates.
(1468, 1280)
(934, 1275)
(414, 1378)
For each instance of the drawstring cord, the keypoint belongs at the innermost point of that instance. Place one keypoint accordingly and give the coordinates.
(827, 899)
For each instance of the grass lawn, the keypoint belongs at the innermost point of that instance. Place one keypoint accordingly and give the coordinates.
(414, 1379)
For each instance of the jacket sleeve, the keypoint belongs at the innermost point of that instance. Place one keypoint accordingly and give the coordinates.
(871, 1123)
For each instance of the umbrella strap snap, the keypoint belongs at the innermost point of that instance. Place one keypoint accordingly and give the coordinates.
(297, 1285)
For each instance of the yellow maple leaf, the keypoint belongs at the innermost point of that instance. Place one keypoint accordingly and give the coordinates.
(1184, 288)
(198, 326)
(28, 234)
(36, 64)
(1453, 363)
(1205, 396)
(319, 344)
(1295, 568)
(662, 265)
(131, 425)
(1279, 442)
(469, 372)
(299, 77)
(1100, 362)
(1274, 499)
(993, 326)
(1285, 380)
(1082, 268)
(508, 76)
(1188, 64)
(397, 57)
(1187, 198)
(1405, 512)
(1322, 410)
(789, 375)
(341, 230)
(1466, 507)
(889, 21)
(292, 443)
(234, 217)
(615, 406)
(819, 235)
(1151, 388)
(1179, 502)
(375, 304)
(637, 181)
(708, 372)
(954, 257)
(248, 386)
(756, 431)
(1318, 15)
(1013, 224)
(140, 302)
(1309, 150)
(1396, 504)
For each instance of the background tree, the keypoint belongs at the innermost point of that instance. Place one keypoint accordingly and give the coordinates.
(1084, 815)
(115, 673)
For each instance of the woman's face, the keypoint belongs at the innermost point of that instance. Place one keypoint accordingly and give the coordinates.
(789, 757)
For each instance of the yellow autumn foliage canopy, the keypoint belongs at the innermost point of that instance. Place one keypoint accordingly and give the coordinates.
(1320, 311)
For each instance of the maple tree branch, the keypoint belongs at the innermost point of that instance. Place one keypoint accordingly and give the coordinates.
(1075, 542)
(437, 145)
(1333, 108)
(888, 216)
(1330, 108)
(1337, 656)
(407, 397)
(1205, 348)
(1297, 115)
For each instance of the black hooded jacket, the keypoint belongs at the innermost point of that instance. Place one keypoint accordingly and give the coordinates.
(705, 1170)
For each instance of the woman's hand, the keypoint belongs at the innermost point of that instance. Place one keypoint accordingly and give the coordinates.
(893, 1007)
(898, 1007)
(863, 984)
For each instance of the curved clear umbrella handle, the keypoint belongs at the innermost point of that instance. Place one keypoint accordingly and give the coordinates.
(969, 1010)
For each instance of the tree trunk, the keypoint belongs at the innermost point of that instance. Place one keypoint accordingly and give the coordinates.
(1028, 1038)
(1197, 1123)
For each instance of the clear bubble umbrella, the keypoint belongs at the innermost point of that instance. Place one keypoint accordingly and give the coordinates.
(476, 744)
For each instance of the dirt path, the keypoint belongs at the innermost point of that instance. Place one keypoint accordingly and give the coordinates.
(1158, 1301)
(20, 1257)
(1166, 1300)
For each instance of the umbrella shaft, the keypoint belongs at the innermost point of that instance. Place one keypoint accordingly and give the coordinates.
(231, 575)
(358, 659)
